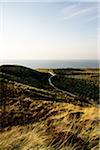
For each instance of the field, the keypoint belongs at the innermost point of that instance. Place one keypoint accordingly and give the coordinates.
(37, 115)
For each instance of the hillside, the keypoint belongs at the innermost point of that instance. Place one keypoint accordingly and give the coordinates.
(24, 75)
(81, 82)
(35, 116)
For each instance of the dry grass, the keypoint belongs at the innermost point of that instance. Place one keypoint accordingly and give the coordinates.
(54, 126)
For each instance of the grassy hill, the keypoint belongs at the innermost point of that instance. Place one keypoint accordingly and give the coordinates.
(81, 87)
(34, 116)
(82, 82)
(25, 75)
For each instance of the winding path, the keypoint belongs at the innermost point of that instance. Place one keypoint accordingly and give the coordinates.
(50, 82)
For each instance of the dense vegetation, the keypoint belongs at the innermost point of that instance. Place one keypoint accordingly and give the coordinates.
(25, 75)
(76, 71)
(79, 87)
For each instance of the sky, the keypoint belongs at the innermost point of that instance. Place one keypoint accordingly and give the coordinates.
(51, 29)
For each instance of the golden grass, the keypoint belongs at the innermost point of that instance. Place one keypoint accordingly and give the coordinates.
(55, 126)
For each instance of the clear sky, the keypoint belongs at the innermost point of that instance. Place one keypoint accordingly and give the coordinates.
(49, 29)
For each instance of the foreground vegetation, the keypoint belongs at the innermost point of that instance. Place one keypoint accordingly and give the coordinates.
(34, 118)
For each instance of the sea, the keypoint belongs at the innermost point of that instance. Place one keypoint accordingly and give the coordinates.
(34, 64)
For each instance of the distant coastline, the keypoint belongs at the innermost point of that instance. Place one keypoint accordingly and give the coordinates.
(54, 63)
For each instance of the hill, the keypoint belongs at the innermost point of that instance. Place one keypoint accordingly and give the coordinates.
(25, 75)
(38, 117)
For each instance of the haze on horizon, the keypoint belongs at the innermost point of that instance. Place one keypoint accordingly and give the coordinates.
(49, 30)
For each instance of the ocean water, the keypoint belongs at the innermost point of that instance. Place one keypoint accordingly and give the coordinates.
(53, 63)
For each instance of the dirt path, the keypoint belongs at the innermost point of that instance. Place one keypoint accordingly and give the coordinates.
(50, 82)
